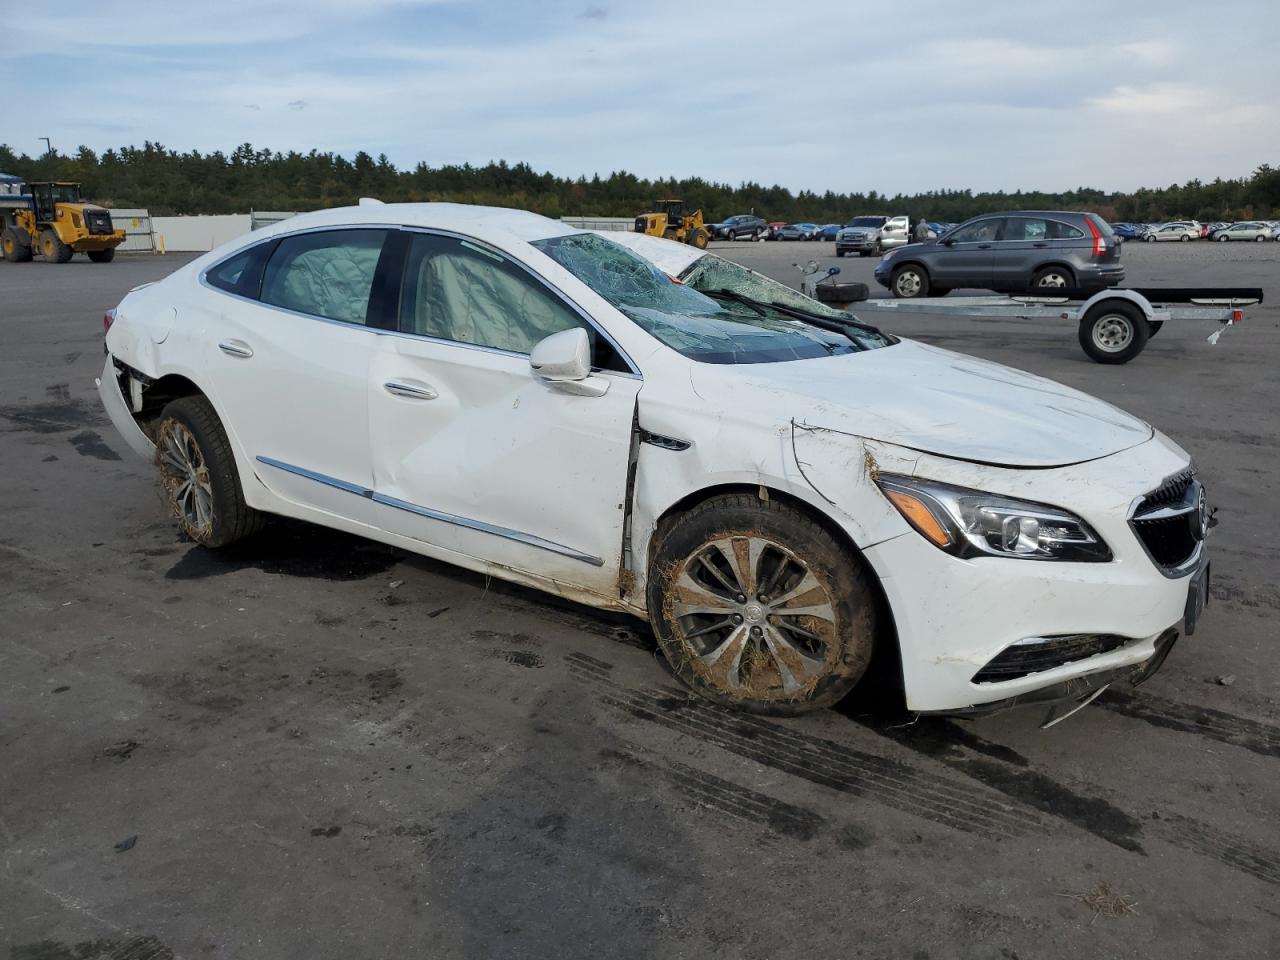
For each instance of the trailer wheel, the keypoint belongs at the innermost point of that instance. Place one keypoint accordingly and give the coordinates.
(1113, 332)
(53, 249)
(102, 256)
(15, 251)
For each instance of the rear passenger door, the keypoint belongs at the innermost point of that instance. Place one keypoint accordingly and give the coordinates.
(289, 358)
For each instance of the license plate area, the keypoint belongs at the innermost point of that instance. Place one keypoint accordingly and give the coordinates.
(1197, 598)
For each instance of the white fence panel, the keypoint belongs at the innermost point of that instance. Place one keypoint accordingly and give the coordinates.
(200, 233)
(265, 218)
(600, 223)
(137, 227)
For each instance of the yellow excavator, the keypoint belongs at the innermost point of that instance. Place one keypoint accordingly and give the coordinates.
(669, 220)
(58, 224)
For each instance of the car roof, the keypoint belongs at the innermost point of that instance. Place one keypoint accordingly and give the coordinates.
(667, 255)
(462, 217)
(1032, 213)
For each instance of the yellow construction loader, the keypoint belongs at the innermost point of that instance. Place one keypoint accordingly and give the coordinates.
(669, 220)
(58, 225)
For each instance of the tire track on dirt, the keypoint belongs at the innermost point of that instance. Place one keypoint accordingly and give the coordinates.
(824, 762)
(1260, 738)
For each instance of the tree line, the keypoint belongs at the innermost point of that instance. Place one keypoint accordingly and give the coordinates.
(168, 182)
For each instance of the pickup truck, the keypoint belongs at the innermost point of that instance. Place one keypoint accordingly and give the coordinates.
(868, 235)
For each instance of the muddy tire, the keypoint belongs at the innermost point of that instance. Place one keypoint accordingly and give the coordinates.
(198, 473)
(758, 607)
(698, 238)
(13, 246)
(910, 281)
(669, 233)
(1114, 332)
(53, 249)
(102, 256)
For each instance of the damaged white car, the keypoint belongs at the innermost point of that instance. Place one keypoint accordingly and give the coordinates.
(779, 489)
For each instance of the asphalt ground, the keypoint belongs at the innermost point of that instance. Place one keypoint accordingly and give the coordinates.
(312, 746)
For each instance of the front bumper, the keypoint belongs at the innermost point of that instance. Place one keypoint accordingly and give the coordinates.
(954, 616)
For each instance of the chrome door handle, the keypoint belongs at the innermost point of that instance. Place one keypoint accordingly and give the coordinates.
(236, 348)
(410, 391)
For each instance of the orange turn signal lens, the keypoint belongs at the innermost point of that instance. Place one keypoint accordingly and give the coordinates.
(920, 517)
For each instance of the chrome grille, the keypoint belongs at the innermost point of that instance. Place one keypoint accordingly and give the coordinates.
(1171, 521)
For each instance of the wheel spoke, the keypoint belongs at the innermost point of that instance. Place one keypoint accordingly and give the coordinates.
(725, 661)
(718, 625)
(715, 572)
(795, 667)
(691, 597)
(807, 585)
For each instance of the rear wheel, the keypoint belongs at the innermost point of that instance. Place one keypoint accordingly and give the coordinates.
(15, 250)
(53, 249)
(1150, 238)
(102, 256)
(757, 606)
(698, 238)
(1259, 238)
(1223, 238)
(755, 235)
(198, 472)
(1114, 332)
(910, 282)
(1053, 277)
(1185, 238)
(669, 233)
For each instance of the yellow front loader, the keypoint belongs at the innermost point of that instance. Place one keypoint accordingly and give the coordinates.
(669, 220)
(58, 225)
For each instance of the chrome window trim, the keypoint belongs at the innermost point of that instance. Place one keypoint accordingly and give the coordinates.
(506, 533)
(538, 278)
(633, 373)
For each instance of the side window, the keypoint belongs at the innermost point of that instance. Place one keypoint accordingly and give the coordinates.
(984, 231)
(326, 274)
(228, 274)
(1024, 228)
(461, 291)
(1057, 230)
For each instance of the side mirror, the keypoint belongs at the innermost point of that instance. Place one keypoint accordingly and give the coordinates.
(564, 360)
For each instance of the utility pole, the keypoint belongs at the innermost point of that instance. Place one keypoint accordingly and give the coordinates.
(48, 147)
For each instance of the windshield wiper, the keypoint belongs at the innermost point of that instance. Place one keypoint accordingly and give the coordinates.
(829, 324)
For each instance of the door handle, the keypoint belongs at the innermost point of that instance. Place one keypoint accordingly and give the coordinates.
(236, 348)
(984, 246)
(409, 390)
(1041, 244)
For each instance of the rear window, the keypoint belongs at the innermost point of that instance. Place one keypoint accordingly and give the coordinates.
(325, 274)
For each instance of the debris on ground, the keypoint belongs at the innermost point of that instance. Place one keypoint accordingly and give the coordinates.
(1104, 902)
(122, 750)
(1224, 680)
(126, 844)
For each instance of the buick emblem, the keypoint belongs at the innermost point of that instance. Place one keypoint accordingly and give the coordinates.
(1202, 516)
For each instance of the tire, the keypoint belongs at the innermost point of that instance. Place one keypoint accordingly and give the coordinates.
(939, 291)
(102, 256)
(785, 663)
(198, 473)
(1222, 238)
(53, 249)
(669, 233)
(910, 282)
(1259, 238)
(839, 253)
(1150, 238)
(755, 236)
(698, 238)
(1185, 238)
(15, 251)
(1053, 277)
(864, 253)
(1153, 327)
(1113, 331)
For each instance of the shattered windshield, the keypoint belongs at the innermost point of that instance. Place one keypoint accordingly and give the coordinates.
(712, 330)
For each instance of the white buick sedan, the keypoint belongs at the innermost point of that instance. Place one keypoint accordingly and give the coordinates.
(780, 490)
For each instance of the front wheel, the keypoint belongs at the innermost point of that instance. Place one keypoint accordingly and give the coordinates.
(839, 253)
(1185, 238)
(1149, 238)
(757, 606)
(1259, 238)
(755, 236)
(1114, 332)
(198, 472)
(102, 256)
(910, 282)
(1223, 238)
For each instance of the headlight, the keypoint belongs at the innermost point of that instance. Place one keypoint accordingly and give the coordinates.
(970, 523)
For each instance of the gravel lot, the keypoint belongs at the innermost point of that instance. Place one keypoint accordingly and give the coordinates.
(327, 749)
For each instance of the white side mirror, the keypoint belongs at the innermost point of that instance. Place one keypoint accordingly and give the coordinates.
(564, 359)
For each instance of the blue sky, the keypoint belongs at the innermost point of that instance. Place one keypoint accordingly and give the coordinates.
(817, 94)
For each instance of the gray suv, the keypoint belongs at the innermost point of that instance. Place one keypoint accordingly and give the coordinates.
(1009, 253)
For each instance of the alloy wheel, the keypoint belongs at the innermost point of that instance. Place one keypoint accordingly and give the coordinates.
(754, 618)
(186, 476)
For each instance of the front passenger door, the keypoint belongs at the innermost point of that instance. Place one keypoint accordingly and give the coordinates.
(475, 454)
(967, 256)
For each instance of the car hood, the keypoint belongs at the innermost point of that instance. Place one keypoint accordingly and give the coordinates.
(932, 400)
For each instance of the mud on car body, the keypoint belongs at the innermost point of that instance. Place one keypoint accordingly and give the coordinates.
(638, 425)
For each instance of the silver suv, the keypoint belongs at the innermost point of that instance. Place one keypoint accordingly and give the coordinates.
(1009, 253)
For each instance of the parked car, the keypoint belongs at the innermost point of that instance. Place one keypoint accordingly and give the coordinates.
(867, 235)
(829, 231)
(1008, 252)
(1245, 230)
(1126, 231)
(383, 403)
(773, 227)
(1275, 231)
(743, 226)
(796, 231)
(1181, 232)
